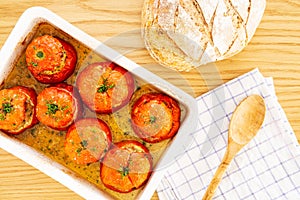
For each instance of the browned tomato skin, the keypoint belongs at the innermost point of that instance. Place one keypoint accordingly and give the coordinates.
(65, 72)
(114, 67)
(33, 98)
(160, 98)
(90, 122)
(72, 92)
(124, 144)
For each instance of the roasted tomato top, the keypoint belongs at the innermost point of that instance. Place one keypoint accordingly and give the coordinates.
(105, 87)
(50, 59)
(155, 117)
(58, 106)
(17, 109)
(126, 166)
(87, 140)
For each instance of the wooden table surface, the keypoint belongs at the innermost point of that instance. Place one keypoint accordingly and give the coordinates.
(275, 50)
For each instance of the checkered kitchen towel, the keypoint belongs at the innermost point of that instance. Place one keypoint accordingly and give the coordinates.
(267, 168)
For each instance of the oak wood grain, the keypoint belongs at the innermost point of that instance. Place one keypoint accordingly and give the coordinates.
(275, 50)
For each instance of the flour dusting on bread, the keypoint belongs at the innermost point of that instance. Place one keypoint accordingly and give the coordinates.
(184, 34)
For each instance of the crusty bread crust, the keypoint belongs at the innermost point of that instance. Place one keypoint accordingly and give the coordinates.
(184, 34)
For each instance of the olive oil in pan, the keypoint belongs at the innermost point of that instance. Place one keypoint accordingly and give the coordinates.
(51, 142)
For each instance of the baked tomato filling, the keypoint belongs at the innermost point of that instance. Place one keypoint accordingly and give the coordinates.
(155, 117)
(50, 59)
(105, 87)
(58, 106)
(17, 109)
(125, 167)
(87, 140)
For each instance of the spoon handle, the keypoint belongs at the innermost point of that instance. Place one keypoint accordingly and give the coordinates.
(218, 176)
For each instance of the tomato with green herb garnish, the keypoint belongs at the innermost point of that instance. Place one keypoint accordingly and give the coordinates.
(50, 59)
(17, 109)
(58, 106)
(105, 87)
(87, 140)
(126, 166)
(155, 117)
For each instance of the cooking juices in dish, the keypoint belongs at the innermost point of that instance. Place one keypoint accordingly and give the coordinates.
(70, 131)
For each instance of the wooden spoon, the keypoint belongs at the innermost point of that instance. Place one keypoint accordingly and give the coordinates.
(245, 123)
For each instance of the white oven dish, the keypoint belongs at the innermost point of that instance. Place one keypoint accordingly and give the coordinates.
(17, 42)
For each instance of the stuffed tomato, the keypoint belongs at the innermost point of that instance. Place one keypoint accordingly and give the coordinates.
(87, 140)
(58, 106)
(155, 117)
(105, 87)
(126, 167)
(50, 59)
(17, 109)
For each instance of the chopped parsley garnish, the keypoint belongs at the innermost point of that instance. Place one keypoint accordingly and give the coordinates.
(2, 117)
(152, 119)
(40, 54)
(34, 64)
(64, 108)
(84, 143)
(52, 108)
(7, 108)
(105, 86)
(78, 151)
(124, 171)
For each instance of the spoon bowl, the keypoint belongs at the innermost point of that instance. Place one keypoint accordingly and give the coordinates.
(245, 122)
(247, 119)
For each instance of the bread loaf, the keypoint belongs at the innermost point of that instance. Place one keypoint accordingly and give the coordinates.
(183, 34)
